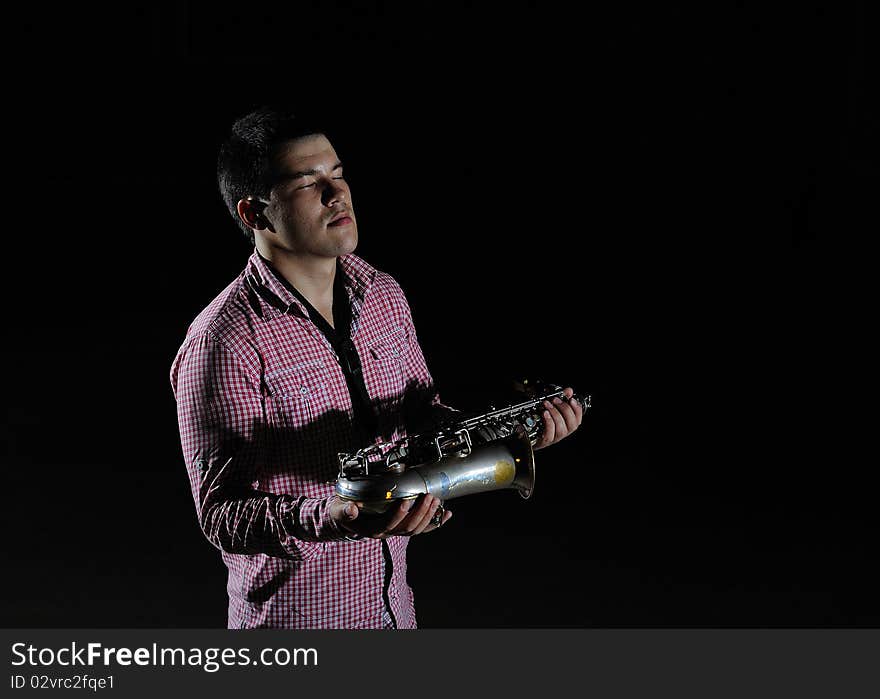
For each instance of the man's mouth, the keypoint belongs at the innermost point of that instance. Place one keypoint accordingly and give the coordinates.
(341, 221)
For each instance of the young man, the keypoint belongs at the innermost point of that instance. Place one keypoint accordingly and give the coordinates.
(309, 352)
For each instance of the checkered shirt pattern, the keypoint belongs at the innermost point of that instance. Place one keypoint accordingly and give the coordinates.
(263, 409)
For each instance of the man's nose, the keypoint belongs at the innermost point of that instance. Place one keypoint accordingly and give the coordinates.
(334, 193)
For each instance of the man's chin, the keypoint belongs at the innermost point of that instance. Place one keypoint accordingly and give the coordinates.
(346, 244)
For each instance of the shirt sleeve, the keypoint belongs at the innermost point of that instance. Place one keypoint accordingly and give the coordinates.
(220, 411)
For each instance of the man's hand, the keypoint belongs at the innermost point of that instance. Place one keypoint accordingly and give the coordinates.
(409, 518)
(561, 418)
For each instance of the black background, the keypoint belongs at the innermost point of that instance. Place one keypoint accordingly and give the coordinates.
(662, 205)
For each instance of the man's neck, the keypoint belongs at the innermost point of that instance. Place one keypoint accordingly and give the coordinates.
(312, 276)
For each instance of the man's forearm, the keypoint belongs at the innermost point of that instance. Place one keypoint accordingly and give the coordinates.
(251, 522)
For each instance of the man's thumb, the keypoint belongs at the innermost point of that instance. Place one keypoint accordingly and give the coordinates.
(350, 511)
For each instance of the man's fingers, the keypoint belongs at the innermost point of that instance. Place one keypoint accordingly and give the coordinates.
(400, 514)
(575, 404)
(419, 525)
(426, 519)
(447, 515)
(558, 421)
(548, 433)
(567, 413)
(418, 519)
(343, 511)
(578, 411)
(403, 526)
(561, 417)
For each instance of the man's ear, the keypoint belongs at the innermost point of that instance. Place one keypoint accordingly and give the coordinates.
(250, 210)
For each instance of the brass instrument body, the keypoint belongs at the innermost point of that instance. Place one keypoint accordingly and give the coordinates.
(465, 456)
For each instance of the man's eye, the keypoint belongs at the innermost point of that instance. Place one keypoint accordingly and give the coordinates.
(340, 177)
(306, 186)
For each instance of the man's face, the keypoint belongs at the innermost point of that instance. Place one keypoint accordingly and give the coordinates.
(310, 206)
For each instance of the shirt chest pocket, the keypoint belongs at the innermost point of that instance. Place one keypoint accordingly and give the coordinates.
(389, 358)
(300, 394)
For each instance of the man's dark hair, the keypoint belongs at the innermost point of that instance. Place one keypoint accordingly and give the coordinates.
(244, 165)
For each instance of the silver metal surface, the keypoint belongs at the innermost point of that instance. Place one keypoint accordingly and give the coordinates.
(490, 451)
(507, 463)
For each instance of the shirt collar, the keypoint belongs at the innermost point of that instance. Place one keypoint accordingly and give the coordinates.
(277, 299)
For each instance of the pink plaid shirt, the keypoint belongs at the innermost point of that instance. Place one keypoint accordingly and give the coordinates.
(264, 409)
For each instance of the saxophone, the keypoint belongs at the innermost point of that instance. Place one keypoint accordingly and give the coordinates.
(461, 456)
